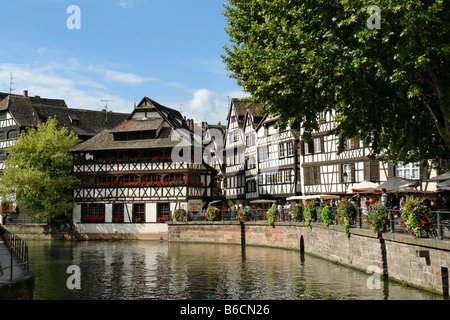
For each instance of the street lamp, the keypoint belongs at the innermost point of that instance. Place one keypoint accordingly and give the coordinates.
(344, 178)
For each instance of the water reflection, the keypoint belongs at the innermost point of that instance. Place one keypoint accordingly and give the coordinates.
(153, 270)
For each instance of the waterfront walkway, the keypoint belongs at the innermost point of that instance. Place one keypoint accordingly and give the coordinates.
(5, 261)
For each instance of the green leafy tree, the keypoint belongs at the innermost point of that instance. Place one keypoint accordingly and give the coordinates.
(388, 86)
(37, 171)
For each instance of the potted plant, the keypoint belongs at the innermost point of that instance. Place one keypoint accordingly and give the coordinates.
(179, 215)
(297, 212)
(416, 217)
(346, 215)
(309, 213)
(244, 214)
(272, 215)
(376, 217)
(213, 213)
(327, 215)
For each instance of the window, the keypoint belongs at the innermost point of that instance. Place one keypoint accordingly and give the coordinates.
(290, 149)
(139, 212)
(2, 135)
(129, 178)
(251, 186)
(407, 171)
(281, 150)
(308, 147)
(250, 140)
(12, 134)
(263, 154)
(117, 213)
(317, 145)
(251, 162)
(354, 144)
(163, 210)
(93, 212)
(287, 176)
(3, 115)
(346, 173)
(151, 178)
(176, 177)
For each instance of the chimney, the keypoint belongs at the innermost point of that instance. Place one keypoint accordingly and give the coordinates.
(25, 93)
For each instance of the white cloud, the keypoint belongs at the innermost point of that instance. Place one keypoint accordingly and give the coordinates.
(206, 105)
(51, 81)
(117, 76)
(128, 4)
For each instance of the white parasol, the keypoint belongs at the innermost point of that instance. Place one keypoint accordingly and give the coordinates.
(362, 187)
(444, 185)
(397, 184)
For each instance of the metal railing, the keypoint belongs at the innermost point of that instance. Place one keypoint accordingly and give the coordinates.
(19, 250)
(440, 227)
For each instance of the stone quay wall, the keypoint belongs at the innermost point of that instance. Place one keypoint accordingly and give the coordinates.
(419, 262)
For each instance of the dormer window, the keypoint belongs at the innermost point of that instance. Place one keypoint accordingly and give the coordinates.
(134, 135)
(74, 120)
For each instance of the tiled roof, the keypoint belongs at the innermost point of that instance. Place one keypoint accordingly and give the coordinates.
(105, 141)
(138, 125)
(30, 111)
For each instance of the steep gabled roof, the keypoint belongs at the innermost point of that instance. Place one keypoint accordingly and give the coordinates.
(172, 116)
(29, 111)
(134, 123)
(241, 107)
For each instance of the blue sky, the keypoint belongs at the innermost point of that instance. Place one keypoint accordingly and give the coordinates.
(167, 50)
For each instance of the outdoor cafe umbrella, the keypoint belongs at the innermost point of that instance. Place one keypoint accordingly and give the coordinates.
(313, 196)
(444, 185)
(397, 184)
(441, 177)
(263, 201)
(362, 187)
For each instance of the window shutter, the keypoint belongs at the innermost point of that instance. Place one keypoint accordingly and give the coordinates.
(352, 166)
(322, 144)
(375, 171)
(339, 178)
(390, 170)
(367, 171)
(302, 148)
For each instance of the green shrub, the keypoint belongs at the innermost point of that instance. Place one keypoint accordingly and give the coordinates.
(272, 214)
(179, 215)
(376, 217)
(416, 217)
(309, 213)
(327, 215)
(213, 214)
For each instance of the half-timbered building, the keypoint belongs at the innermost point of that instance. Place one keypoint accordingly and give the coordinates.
(261, 160)
(324, 171)
(136, 174)
(234, 153)
(277, 160)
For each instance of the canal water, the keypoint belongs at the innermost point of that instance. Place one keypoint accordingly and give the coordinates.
(132, 270)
